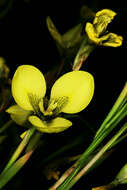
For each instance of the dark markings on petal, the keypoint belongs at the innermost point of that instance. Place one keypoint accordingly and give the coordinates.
(34, 100)
(61, 102)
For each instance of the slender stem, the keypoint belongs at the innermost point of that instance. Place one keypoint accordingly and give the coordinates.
(119, 140)
(71, 172)
(20, 148)
(63, 177)
(62, 150)
(61, 65)
(5, 126)
(108, 127)
(84, 51)
(11, 172)
(117, 105)
(98, 140)
(96, 157)
(33, 141)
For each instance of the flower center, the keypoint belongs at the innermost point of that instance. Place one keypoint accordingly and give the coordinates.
(102, 23)
(47, 109)
(53, 107)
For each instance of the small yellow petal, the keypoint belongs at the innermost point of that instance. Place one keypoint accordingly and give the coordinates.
(28, 81)
(41, 106)
(78, 87)
(90, 30)
(23, 134)
(109, 14)
(15, 109)
(102, 19)
(18, 115)
(56, 125)
(113, 40)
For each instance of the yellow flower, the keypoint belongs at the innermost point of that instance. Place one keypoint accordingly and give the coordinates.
(71, 93)
(97, 31)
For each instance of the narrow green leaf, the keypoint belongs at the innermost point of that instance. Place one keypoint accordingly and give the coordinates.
(6, 176)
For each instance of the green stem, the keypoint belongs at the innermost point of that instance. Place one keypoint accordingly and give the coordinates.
(110, 126)
(5, 126)
(11, 172)
(20, 148)
(33, 141)
(96, 157)
(71, 172)
(85, 49)
(107, 128)
(119, 140)
(117, 106)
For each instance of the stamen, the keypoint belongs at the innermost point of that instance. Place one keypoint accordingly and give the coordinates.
(41, 106)
(61, 102)
(54, 106)
(45, 102)
(34, 100)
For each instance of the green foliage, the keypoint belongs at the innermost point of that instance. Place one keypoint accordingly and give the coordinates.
(81, 148)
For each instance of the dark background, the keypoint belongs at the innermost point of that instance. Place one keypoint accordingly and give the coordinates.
(24, 39)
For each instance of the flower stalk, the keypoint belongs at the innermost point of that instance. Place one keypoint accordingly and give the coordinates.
(96, 157)
(84, 51)
(14, 165)
(5, 126)
(121, 178)
(20, 148)
(120, 102)
(5, 177)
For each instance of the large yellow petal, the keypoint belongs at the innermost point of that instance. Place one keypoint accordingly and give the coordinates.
(19, 115)
(28, 86)
(78, 87)
(56, 125)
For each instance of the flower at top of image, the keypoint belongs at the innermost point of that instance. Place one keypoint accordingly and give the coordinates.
(71, 93)
(97, 32)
